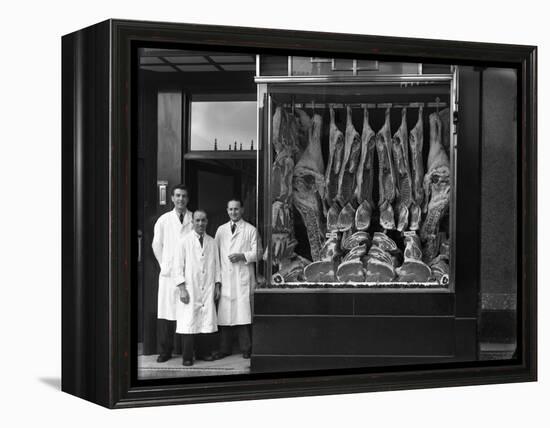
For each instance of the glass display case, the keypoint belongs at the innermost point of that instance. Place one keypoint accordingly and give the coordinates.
(358, 176)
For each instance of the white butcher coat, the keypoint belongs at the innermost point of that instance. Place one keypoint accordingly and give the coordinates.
(238, 279)
(199, 268)
(167, 233)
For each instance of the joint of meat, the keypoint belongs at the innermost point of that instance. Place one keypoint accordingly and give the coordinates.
(355, 239)
(331, 250)
(346, 218)
(356, 252)
(351, 271)
(290, 270)
(413, 269)
(320, 272)
(379, 262)
(363, 215)
(332, 217)
(440, 269)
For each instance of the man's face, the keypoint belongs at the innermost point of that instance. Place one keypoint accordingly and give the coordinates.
(199, 222)
(234, 210)
(180, 199)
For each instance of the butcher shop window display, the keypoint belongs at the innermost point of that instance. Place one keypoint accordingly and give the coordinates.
(369, 199)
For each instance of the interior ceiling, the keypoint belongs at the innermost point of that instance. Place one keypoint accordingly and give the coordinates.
(170, 60)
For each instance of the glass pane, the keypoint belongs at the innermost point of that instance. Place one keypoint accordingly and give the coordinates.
(223, 125)
(361, 185)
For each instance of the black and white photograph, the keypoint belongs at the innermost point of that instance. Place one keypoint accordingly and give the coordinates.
(280, 214)
(301, 213)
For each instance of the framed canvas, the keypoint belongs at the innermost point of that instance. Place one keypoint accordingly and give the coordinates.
(253, 213)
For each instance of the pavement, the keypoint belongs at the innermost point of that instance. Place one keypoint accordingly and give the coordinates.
(148, 368)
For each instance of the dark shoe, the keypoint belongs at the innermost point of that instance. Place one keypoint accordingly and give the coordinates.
(187, 363)
(163, 358)
(246, 355)
(206, 358)
(219, 355)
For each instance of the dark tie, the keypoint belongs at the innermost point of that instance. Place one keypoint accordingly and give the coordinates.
(181, 218)
(233, 226)
(200, 240)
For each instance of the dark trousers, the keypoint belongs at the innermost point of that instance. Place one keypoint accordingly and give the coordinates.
(199, 344)
(227, 334)
(166, 331)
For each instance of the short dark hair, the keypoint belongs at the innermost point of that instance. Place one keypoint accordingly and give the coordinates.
(200, 210)
(180, 187)
(235, 200)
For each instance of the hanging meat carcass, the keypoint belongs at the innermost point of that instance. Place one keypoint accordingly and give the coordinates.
(309, 187)
(386, 175)
(304, 124)
(437, 189)
(347, 176)
(413, 269)
(416, 143)
(365, 175)
(401, 167)
(285, 143)
(445, 117)
(336, 151)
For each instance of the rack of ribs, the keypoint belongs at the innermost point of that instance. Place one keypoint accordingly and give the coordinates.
(437, 190)
(365, 175)
(309, 187)
(416, 143)
(336, 150)
(401, 166)
(386, 177)
(346, 178)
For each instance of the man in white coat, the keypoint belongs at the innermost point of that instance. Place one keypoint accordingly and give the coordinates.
(238, 244)
(197, 279)
(169, 229)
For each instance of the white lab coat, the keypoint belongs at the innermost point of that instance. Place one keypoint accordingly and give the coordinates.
(199, 268)
(167, 233)
(238, 279)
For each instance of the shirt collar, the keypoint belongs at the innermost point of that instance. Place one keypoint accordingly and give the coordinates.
(185, 213)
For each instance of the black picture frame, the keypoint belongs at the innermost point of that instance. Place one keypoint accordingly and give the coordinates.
(98, 245)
